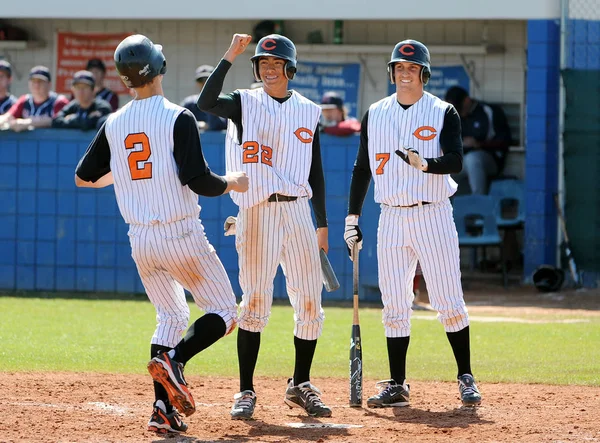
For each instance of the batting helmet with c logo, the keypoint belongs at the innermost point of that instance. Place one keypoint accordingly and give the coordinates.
(275, 45)
(414, 52)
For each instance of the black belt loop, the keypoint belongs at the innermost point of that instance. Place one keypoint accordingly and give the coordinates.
(281, 198)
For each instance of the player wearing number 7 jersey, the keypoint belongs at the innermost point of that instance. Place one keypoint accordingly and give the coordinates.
(272, 135)
(410, 144)
(150, 150)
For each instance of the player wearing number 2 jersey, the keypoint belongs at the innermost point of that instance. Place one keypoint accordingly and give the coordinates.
(273, 136)
(150, 150)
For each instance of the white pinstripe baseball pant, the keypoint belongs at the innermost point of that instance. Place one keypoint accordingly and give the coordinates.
(426, 234)
(269, 234)
(173, 256)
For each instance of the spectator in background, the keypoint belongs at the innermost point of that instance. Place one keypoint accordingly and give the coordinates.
(334, 117)
(86, 110)
(6, 98)
(98, 69)
(39, 107)
(207, 122)
(486, 138)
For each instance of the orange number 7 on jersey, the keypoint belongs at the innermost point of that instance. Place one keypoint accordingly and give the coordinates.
(383, 158)
(251, 153)
(135, 157)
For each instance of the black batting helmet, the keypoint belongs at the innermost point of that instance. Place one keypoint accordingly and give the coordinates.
(548, 278)
(414, 52)
(275, 45)
(138, 60)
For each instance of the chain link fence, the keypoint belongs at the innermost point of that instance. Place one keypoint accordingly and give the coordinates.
(581, 34)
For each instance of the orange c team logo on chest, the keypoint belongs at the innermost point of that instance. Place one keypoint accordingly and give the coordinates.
(425, 133)
(304, 138)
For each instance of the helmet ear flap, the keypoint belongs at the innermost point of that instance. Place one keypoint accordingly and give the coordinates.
(390, 69)
(425, 75)
(255, 70)
(290, 70)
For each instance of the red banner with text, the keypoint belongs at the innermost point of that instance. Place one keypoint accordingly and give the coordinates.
(73, 52)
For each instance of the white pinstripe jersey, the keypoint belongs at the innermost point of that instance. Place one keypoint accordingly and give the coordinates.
(276, 146)
(390, 127)
(147, 184)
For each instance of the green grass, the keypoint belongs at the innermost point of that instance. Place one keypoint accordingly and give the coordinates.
(113, 336)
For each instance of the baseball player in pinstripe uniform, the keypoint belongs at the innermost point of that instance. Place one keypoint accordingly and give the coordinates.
(410, 143)
(150, 150)
(272, 135)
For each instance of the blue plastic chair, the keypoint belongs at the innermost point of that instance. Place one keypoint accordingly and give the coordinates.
(508, 194)
(476, 224)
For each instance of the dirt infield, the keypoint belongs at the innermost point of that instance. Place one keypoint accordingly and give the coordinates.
(78, 407)
(86, 407)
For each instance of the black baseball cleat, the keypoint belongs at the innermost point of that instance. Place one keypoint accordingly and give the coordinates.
(391, 395)
(469, 393)
(243, 408)
(169, 373)
(307, 397)
(162, 422)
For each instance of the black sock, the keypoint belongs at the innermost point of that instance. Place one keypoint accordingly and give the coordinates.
(248, 344)
(397, 348)
(462, 351)
(305, 351)
(204, 332)
(159, 392)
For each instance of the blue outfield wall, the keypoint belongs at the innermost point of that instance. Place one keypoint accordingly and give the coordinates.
(57, 237)
(541, 155)
(542, 126)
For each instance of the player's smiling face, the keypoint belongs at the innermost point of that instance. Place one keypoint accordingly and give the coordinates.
(271, 70)
(407, 75)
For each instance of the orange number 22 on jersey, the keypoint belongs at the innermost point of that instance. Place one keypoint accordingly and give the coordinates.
(383, 158)
(251, 153)
(135, 157)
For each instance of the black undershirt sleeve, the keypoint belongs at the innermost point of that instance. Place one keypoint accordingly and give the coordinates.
(95, 163)
(361, 174)
(211, 100)
(316, 180)
(451, 143)
(193, 170)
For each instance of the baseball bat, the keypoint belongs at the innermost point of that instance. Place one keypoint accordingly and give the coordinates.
(329, 278)
(356, 376)
(568, 253)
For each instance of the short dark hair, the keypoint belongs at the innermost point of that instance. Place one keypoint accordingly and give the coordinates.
(96, 63)
(456, 96)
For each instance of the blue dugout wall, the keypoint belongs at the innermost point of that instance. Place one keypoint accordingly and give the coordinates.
(57, 237)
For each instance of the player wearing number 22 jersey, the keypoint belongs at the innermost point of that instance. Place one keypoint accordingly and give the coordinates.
(150, 149)
(272, 135)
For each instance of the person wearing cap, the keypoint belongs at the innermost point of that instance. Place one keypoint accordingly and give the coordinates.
(39, 107)
(334, 117)
(486, 138)
(206, 121)
(98, 69)
(6, 98)
(86, 110)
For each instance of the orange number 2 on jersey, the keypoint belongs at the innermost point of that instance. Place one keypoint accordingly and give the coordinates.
(135, 157)
(251, 153)
(383, 158)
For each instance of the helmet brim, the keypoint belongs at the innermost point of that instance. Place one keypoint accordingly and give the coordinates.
(398, 60)
(267, 54)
